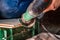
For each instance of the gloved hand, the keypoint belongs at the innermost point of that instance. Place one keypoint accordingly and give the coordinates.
(13, 8)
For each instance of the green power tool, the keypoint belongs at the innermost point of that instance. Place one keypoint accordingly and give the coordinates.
(38, 6)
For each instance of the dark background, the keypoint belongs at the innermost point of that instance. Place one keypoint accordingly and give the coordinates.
(51, 21)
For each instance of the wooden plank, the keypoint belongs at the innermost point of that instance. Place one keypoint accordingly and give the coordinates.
(10, 23)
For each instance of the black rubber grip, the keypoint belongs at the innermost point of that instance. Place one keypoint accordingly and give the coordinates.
(40, 5)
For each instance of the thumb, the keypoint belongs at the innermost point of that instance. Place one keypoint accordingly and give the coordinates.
(50, 7)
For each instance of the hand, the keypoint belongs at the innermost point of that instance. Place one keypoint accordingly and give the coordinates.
(43, 36)
(54, 5)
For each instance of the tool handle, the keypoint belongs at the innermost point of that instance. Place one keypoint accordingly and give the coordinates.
(40, 5)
